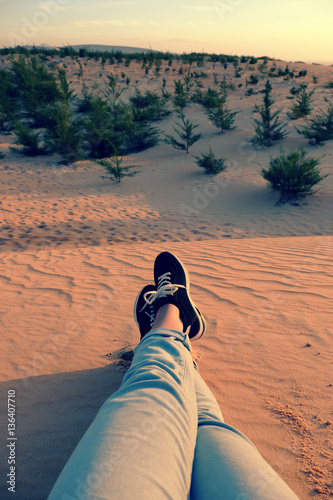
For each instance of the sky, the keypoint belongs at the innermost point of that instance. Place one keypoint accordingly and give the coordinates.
(292, 30)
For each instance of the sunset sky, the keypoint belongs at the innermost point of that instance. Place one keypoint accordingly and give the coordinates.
(285, 29)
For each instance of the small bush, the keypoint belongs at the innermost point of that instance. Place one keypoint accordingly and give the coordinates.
(64, 134)
(293, 174)
(210, 163)
(113, 91)
(207, 99)
(188, 81)
(180, 98)
(155, 107)
(139, 134)
(301, 107)
(8, 100)
(66, 93)
(303, 73)
(222, 117)
(37, 86)
(216, 107)
(253, 80)
(101, 135)
(85, 104)
(320, 128)
(268, 129)
(262, 67)
(29, 139)
(184, 129)
(295, 90)
(249, 92)
(115, 169)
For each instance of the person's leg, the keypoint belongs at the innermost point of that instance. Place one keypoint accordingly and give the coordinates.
(141, 443)
(227, 466)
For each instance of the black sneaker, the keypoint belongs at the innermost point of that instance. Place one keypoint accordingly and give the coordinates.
(172, 287)
(144, 313)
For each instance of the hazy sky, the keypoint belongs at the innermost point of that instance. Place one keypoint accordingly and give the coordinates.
(289, 30)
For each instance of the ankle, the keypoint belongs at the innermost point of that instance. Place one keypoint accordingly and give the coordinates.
(168, 316)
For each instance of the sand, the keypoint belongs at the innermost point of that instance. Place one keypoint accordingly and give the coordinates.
(76, 248)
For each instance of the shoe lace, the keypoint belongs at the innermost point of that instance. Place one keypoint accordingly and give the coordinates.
(151, 315)
(164, 288)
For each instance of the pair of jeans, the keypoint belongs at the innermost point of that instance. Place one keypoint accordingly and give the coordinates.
(162, 436)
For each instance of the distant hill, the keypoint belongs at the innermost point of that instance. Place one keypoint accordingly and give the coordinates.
(112, 48)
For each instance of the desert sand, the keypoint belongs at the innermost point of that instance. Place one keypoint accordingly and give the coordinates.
(76, 248)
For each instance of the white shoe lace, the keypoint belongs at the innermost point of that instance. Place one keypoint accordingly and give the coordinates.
(151, 315)
(164, 288)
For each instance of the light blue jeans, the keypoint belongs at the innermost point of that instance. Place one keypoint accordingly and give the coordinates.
(162, 436)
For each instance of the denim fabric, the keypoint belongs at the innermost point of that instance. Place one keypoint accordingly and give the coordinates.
(162, 436)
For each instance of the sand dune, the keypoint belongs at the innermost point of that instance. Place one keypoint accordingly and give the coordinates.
(67, 316)
(76, 248)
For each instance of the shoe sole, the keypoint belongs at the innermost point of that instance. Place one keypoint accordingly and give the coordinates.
(135, 307)
(203, 321)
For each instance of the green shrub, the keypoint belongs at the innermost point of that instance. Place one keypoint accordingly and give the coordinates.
(8, 100)
(103, 139)
(36, 85)
(320, 128)
(302, 73)
(293, 174)
(139, 134)
(180, 97)
(216, 107)
(210, 163)
(85, 104)
(66, 93)
(29, 139)
(185, 131)
(222, 117)
(207, 99)
(188, 81)
(272, 72)
(155, 107)
(115, 169)
(262, 67)
(113, 92)
(249, 92)
(302, 106)
(64, 133)
(201, 74)
(253, 80)
(268, 129)
(295, 90)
